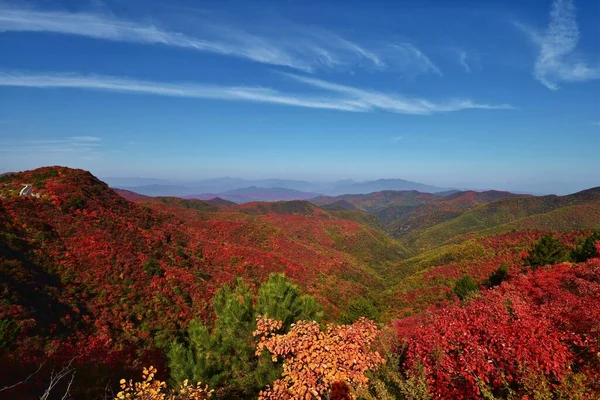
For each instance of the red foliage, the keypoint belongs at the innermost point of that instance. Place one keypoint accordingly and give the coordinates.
(547, 322)
(85, 272)
(509, 249)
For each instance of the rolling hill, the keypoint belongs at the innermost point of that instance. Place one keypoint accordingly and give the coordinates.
(402, 220)
(112, 276)
(377, 200)
(549, 212)
(403, 212)
(83, 266)
(351, 187)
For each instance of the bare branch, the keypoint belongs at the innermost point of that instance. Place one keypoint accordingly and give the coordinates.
(24, 380)
(69, 386)
(56, 377)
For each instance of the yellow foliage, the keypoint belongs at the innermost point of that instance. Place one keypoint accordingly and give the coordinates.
(151, 389)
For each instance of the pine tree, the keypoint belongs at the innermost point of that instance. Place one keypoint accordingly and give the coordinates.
(548, 250)
(586, 249)
(465, 286)
(359, 308)
(498, 276)
(281, 300)
(224, 356)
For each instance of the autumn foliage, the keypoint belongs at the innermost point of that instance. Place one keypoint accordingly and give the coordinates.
(153, 389)
(541, 326)
(91, 278)
(316, 360)
(85, 273)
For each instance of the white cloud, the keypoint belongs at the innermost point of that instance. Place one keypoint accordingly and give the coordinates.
(462, 60)
(280, 43)
(337, 97)
(79, 145)
(86, 138)
(114, 84)
(557, 60)
(392, 102)
(397, 138)
(304, 49)
(407, 58)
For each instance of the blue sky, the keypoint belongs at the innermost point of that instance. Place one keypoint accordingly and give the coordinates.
(494, 94)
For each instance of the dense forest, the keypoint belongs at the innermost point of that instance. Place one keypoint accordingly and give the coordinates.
(389, 295)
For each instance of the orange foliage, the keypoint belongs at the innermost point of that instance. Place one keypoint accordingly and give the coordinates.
(314, 360)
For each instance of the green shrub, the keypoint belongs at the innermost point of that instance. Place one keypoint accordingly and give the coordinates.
(73, 203)
(390, 383)
(548, 250)
(498, 276)
(465, 286)
(359, 308)
(586, 249)
(152, 268)
(9, 330)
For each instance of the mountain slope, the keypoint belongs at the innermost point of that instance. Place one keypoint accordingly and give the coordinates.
(382, 185)
(217, 201)
(84, 268)
(507, 211)
(377, 200)
(402, 220)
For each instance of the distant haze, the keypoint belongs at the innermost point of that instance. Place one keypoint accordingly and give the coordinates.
(243, 190)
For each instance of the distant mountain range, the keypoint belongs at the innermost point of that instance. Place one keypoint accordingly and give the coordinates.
(253, 193)
(94, 268)
(241, 190)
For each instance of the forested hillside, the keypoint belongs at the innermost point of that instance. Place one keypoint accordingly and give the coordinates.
(107, 282)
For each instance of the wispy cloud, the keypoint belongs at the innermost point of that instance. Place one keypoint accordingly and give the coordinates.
(303, 49)
(86, 139)
(462, 60)
(557, 60)
(336, 96)
(79, 145)
(397, 138)
(407, 58)
(114, 84)
(369, 100)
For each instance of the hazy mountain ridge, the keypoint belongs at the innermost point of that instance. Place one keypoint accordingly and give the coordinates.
(253, 193)
(222, 186)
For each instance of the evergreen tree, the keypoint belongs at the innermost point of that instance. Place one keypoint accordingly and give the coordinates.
(465, 286)
(223, 357)
(498, 276)
(586, 249)
(280, 299)
(548, 250)
(359, 308)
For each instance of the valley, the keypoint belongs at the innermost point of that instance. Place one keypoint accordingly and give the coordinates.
(120, 273)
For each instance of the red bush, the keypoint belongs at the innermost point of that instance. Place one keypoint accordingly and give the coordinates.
(546, 322)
